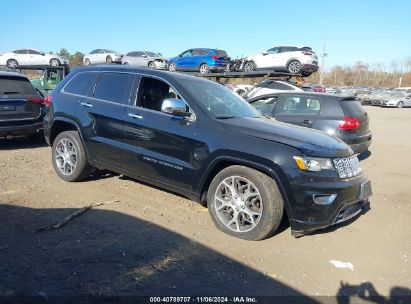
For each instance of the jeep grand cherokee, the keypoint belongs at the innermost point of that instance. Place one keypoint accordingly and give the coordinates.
(197, 138)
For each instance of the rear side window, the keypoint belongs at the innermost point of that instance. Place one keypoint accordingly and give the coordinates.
(221, 53)
(115, 87)
(296, 105)
(81, 83)
(352, 107)
(10, 85)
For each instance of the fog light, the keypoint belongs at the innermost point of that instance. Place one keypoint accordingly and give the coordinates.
(324, 199)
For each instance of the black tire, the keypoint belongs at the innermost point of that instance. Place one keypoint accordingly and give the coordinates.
(82, 168)
(152, 65)
(11, 63)
(87, 62)
(272, 202)
(204, 69)
(400, 105)
(306, 74)
(109, 60)
(55, 62)
(294, 67)
(249, 66)
(172, 67)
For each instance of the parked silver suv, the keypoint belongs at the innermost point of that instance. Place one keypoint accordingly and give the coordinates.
(293, 59)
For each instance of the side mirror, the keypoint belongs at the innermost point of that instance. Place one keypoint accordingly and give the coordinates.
(180, 55)
(264, 53)
(175, 107)
(42, 54)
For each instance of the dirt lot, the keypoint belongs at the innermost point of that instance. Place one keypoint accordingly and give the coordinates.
(156, 243)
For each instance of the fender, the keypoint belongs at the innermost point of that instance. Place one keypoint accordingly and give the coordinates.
(277, 174)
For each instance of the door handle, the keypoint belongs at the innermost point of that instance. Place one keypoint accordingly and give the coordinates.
(86, 104)
(306, 121)
(132, 115)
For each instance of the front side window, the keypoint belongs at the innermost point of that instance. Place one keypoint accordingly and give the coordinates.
(186, 54)
(265, 105)
(81, 83)
(114, 87)
(94, 52)
(152, 92)
(300, 105)
(33, 52)
(273, 50)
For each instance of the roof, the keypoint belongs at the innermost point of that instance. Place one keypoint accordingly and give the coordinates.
(309, 93)
(13, 74)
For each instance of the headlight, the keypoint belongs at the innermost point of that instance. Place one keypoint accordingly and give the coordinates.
(313, 163)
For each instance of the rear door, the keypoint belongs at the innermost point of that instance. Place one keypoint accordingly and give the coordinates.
(19, 101)
(302, 110)
(102, 114)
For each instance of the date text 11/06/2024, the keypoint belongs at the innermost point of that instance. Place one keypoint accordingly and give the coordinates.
(203, 300)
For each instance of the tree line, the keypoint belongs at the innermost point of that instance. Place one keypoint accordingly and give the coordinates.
(359, 74)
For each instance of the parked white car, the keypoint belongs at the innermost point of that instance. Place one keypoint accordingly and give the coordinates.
(292, 59)
(102, 56)
(395, 99)
(31, 57)
(269, 87)
(142, 58)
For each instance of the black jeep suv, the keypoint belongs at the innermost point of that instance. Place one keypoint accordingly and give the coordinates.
(196, 138)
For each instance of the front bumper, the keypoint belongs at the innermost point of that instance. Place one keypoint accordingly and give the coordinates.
(161, 65)
(306, 215)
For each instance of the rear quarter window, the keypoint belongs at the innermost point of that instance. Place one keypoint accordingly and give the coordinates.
(10, 85)
(352, 107)
(81, 83)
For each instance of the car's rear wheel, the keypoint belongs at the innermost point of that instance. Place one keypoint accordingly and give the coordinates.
(109, 59)
(12, 63)
(249, 66)
(69, 157)
(400, 105)
(55, 62)
(152, 65)
(172, 67)
(294, 66)
(87, 61)
(245, 203)
(204, 69)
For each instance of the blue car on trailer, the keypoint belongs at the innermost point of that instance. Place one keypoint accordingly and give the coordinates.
(201, 60)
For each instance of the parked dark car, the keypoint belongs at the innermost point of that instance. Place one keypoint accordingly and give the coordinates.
(201, 60)
(195, 137)
(21, 106)
(339, 116)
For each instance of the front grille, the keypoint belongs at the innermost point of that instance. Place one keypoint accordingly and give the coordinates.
(348, 167)
(348, 212)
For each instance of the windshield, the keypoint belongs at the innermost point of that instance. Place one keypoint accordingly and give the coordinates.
(151, 54)
(218, 100)
(108, 51)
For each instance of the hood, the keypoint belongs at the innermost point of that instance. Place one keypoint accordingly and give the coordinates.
(309, 141)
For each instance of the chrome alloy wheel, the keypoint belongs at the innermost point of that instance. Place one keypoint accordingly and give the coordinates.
(66, 156)
(294, 66)
(238, 204)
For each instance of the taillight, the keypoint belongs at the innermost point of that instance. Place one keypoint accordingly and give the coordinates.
(214, 57)
(306, 53)
(47, 100)
(37, 100)
(349, 123)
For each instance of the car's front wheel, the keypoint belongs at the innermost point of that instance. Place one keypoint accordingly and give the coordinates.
(294, 66)
(400, 105)
(55, 62)
(152, 65)
(245, 203)
(69, 157)
(172, 67)
(249, 66)
(12, 63)
(109, 59)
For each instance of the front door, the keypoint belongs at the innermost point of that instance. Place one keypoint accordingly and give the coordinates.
(159, 146)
